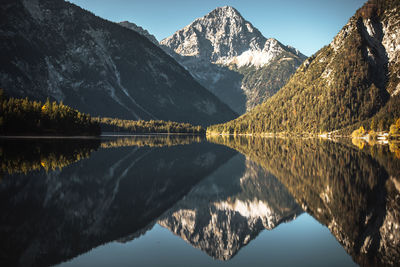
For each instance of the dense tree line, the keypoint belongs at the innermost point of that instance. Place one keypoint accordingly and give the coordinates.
(152, 126)
(22, 116)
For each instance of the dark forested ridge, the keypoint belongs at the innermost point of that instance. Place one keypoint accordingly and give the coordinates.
(25, 117)
(55, 49)
(352, 80)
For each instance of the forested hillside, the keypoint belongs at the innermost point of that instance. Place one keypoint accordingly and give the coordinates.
(25, 117)
(354, 79)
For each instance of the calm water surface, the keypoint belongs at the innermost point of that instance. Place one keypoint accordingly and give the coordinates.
(187, 201)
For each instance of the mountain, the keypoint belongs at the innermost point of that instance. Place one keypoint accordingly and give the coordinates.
(231, 58)
(354, 79)
(55, 49)
(132, 26)
(228, 209)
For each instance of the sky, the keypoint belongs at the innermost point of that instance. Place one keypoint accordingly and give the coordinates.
(307, 25)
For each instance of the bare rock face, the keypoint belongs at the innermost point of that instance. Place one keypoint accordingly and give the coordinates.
(381, 45)
(224, 38)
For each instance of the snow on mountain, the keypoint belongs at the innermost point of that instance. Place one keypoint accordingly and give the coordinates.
(224, 38)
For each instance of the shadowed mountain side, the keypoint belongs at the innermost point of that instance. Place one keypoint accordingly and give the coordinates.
(91, 63)
(51, 217)
(230, 208)
(344, 188)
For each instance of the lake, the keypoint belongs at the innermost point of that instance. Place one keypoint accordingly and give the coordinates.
(191, 201)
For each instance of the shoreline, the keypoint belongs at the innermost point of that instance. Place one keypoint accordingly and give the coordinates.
(94, 136)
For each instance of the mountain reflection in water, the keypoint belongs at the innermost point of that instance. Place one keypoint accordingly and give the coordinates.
(62, 198)
(231, 207)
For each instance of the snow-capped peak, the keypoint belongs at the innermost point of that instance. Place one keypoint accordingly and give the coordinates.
(223, 36)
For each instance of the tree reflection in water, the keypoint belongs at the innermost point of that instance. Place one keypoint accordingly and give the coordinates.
(352, 191)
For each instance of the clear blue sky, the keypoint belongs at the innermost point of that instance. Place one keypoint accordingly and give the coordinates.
(307, 25)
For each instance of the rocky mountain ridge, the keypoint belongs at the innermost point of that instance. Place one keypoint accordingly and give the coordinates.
(132, 26)
(231, 58)
(224, 37)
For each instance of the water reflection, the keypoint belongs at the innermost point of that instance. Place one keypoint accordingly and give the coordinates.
(230, 208)
(353, 192)
(25, 155)
(116, 194)
(216, 199)
(151, 141)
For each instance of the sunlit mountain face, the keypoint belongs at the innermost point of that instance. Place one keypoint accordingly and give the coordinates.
(231, 58)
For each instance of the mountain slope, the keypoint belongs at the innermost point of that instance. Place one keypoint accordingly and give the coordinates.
(58, 50)
(132, 26)
(346, 82)
(231, 58)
